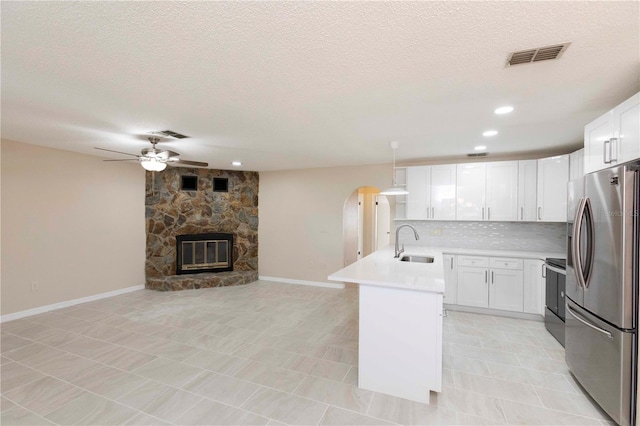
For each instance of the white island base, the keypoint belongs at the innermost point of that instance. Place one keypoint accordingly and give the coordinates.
(400, 351)
(400, 346)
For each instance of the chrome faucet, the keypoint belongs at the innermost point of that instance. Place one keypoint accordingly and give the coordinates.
(399, 250)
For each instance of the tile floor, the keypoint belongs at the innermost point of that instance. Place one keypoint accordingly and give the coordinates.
(266, 353)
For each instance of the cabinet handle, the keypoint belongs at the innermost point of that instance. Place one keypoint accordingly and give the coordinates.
(491, 277)
(428, 210)
(612, 150)
(543, 269)
(433, 212)
(486, 276)
(452, 263)
(483, 213)
(521, 213)
(539, 213)
(488, 213)
(604, 152)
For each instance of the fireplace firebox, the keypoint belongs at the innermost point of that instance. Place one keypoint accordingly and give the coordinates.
(210, 252)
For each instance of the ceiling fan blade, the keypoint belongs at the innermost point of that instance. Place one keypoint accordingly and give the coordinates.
(117, 152)
(186, 163)
(125, 159)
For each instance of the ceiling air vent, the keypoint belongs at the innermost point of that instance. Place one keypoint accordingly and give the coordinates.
(536, 55)
(477, 154)
(170, 134)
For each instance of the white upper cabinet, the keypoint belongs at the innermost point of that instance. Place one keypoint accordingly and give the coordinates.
(614, 137)
(626, 125)
(553, 176)
(471, 183)
(401, 200)
(502, 191)
(576, 164)
(432, 192)
(527, 184)
(443, 192)
(419, 187)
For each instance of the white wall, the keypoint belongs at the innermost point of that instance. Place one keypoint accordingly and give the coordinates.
(301, 228)
(70, 222)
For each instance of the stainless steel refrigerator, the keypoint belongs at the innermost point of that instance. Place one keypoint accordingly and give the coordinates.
(602, 287)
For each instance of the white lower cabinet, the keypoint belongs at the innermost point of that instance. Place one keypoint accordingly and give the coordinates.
(489, 282)
(534, 287)
(450, 279)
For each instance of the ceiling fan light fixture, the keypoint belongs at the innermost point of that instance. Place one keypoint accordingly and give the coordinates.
(153, 165)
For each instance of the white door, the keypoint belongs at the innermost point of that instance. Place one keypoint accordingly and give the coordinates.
(527, 191)
(470, 195)
(597, 135)
(473, 286)
(534, 287)
(506, 290)
(443, 192)
(360, 225)
(502, 191)
(553, 177)
(418, 186)
(383, 222)
(626, 122)
(450, 279)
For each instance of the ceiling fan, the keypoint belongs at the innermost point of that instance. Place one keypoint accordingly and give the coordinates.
(155, 159)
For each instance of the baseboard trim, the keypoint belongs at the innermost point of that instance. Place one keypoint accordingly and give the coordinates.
(496, 312)
(66, 304)
(301, 282)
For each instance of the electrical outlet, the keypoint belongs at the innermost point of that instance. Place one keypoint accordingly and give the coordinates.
(34, 286)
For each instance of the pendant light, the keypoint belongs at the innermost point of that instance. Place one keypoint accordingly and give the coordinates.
(394, 190)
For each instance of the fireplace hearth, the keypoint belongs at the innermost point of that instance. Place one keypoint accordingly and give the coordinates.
(207, 252)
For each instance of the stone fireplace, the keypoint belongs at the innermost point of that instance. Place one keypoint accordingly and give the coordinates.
(202, 234)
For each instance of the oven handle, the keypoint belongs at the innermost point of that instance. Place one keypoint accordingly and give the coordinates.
(554, 269)
(588, 324)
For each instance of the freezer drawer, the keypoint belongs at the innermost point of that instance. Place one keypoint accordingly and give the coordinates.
(601, 358)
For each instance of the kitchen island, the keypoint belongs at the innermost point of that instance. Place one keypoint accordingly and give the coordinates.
(400, 338)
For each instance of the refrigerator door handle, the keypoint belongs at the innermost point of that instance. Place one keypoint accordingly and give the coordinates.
(575, 247)
(588, 213)
(588, 324)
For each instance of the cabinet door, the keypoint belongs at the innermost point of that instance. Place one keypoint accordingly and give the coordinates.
(626, 123)
(527, 183)
(401, 200)
(576, 164)
(473, 286)
(502, 191)
(470, 191)
(443, 192)
(450, 279)
(596, 134)
(506, 290)
(553, 176)
(418, 185)
(534, 287)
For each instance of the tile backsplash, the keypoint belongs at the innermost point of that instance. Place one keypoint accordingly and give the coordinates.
(525, 236)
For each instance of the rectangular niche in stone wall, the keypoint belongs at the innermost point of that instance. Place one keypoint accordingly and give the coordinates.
(189, 183)
(220, 184)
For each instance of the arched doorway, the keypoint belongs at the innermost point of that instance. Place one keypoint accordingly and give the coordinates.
(366, 223)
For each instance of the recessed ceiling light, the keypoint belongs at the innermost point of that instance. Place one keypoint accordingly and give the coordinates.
(504, 110)
(236, 163)
(490, 133)
(480, 148)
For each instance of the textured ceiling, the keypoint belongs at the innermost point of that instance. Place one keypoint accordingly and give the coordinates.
(281, 85)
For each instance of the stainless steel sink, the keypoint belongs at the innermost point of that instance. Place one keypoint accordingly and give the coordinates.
(418, 259)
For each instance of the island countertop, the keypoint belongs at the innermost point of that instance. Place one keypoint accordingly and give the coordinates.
(382, 269)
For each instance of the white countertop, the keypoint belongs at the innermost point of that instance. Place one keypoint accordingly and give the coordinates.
(382, 269)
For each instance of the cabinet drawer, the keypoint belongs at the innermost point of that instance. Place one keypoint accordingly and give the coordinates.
(505, 263)
(479, 261)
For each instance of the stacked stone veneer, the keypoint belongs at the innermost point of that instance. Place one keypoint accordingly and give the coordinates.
(171, 211)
